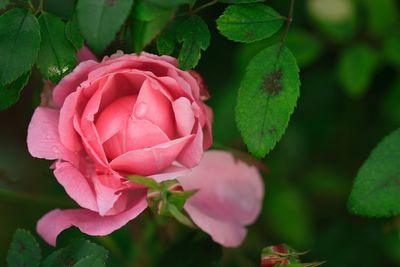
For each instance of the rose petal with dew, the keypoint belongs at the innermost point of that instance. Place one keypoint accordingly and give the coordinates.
(43, 139)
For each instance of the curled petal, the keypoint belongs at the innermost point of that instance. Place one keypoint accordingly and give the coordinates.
(89, 222)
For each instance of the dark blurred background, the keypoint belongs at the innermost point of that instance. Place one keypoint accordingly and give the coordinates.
(349, 55)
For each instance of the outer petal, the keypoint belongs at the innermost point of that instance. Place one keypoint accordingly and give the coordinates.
(76, 185)
(192, 153)
(152, 160)
(43, 138)
(229, 192)
(71, 82)
(68, 136)
(89, 222)
(184, 116)
(228, 234)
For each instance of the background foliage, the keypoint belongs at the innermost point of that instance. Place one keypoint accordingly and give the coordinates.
(349, 57)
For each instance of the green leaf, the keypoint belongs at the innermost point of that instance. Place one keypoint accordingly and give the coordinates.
(19, 43)
(305, 46)
(267, 97)
(90, 261)
(9, 94)
(170, 3)
(195, 36)
(179, 199)
(76, 251)
(166, 43)
(4, 3)
(24, 250)
(56, 55)
(179, 216)
(239, 1)
(145, 11)
(376, 189)
(149, 182)
(73, 34)
(356, 68)
(100, 20)
(249, 23)
(147, 25)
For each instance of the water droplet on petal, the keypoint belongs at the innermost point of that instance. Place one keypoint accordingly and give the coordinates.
(56, 149)
(48, 137)
(140, 110)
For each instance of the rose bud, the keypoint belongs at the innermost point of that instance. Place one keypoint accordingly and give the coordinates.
(128, 114)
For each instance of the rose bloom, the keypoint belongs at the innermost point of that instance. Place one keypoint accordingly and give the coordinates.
(132, 114)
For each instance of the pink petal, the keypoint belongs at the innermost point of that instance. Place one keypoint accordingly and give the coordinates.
(71, 82)
(184, 116)
(76, 185)
(89, 222)
(229, 191)
(106, 187)
(153, 106)
(43, 138)
(193, 152)
(68, 136)
(85, 54)
(228, 234)
(138, 134)
(152, 160)
(113, 118)
(170, 173)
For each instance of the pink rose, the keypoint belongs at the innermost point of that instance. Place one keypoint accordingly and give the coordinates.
(125, 115)
(229, 197)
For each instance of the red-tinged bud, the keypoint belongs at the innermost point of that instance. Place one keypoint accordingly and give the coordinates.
(274, 260)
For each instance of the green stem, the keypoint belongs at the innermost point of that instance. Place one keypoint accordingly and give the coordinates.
(289, 21)
(213, 2)
(33, 200)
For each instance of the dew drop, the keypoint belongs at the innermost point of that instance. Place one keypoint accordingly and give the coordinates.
(140, 110)
(56, 149)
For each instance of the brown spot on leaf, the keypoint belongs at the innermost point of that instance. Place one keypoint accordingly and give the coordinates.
(110, 2)
(21, 246)
(249, 34)
(272, 82)
(272, 130)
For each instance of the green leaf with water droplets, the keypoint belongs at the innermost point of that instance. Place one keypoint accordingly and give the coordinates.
(56, 55)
